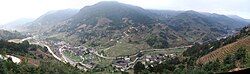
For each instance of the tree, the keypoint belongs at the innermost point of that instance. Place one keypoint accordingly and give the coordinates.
(241, 55)
(213, 66)
(228, 63)
(156, 41)
(138, 68)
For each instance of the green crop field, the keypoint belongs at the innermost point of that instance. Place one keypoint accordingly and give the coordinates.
(72, 56)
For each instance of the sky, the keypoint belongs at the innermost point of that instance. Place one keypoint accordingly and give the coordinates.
(11, 10)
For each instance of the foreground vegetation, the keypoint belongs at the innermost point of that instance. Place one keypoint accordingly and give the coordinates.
(186, 63)
(35, 60)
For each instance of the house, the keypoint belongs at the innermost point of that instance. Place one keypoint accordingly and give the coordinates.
(153, 59)
(121, 63)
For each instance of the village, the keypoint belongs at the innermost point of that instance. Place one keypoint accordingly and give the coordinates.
(119, 63)
(82, 57)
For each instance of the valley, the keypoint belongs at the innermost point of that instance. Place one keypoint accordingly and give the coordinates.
(112, 37)
(86, 58)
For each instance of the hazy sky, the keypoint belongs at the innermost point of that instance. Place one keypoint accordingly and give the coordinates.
(14, 9)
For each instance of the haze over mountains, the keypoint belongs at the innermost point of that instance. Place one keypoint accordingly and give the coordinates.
(16, 24)
(116, 18)
(48, 20)
(109, 20)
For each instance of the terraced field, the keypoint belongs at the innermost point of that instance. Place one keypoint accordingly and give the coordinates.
(124, 48)
(221, 53)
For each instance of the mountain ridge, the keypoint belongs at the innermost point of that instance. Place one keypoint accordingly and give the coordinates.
(105, 21)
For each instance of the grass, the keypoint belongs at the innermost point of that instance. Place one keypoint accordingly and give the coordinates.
(61, 36)
(124, 48)
(72, 56)
(178, 50)
(167, 51)
(103, 62)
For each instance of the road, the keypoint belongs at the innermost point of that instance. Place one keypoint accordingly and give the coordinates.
(150, 50)
(68, 60)
(49, 49)
(96, 53)
(61, 52)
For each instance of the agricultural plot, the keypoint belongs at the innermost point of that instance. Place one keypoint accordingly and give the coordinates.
(222, 52)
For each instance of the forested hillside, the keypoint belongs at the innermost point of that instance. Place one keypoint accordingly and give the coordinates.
(34, 59)
(234, 58)
(6, 35)
(105, 23)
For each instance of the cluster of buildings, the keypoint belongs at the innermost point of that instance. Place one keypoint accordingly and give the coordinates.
(121, 63)
(61, 46)
(126, 62)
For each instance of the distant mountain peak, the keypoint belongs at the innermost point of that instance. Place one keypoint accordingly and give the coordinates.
(113, 11)
(108, 2)
(57, 15)
(192, 12)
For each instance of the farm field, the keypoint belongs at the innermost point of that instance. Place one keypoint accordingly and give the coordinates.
(222, 52)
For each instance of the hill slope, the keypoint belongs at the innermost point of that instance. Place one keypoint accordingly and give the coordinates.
(6, 35)
(107, 22)
(110, 24)
(33, 59)
(222, 52)
(17, 24)
(241, 40)
(195, 26)
(48, 20)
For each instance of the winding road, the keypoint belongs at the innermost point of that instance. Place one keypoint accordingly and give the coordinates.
(49, 49)
(96, 53)
(37, 43)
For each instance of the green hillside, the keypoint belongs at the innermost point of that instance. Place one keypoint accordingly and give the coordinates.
(34, 59)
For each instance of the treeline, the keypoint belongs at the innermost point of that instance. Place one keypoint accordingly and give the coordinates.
(157, 42)
(46, 67)
(18, 48)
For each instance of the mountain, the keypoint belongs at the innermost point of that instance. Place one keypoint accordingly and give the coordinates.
(233, 21)
(238, 18)
(6, 35)
(17, 24)
(248, 20)
(105, 21)
(166, 13)
(199, 26)
(114, 24)
(114, 11)
(49, 19)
